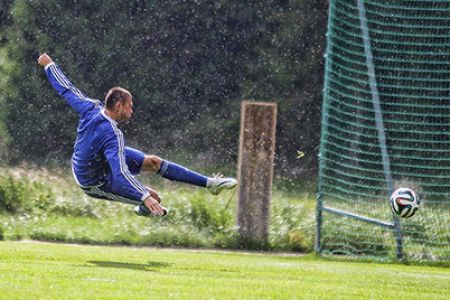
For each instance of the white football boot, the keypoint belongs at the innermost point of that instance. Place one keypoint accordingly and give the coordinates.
(217, 184)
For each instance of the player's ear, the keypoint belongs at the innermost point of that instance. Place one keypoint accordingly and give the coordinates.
(118, 105)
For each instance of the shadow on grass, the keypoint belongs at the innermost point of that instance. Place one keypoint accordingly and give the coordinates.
(150, 266)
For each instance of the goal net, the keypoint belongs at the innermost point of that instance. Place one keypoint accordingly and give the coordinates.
(385, 124)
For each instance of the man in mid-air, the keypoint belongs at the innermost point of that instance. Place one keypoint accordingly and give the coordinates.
(102, 166)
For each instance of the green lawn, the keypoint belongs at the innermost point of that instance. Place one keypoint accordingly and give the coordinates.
(57, 271)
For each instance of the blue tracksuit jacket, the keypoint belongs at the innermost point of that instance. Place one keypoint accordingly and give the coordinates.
(99, 147)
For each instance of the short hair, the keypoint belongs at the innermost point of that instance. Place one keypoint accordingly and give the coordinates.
(115, 95)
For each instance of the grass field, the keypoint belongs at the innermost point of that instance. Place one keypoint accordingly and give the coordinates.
(62, 271)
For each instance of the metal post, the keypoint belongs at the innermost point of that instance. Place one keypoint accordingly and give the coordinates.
(379, 120)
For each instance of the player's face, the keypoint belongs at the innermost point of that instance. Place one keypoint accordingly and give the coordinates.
(126, 110)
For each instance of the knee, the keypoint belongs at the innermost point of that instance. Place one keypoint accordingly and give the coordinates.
(151, 163)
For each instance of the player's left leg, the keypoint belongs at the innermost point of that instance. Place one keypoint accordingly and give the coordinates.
(135, 162)
(105, 192)
(111, 190)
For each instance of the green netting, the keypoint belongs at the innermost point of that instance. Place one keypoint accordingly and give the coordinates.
(403, 108)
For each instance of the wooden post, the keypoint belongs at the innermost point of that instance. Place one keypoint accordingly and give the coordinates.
(255, 171)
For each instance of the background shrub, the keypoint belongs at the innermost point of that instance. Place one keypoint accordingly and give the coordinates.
(23, 196)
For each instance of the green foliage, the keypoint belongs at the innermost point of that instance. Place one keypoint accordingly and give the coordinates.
(299, 241)
(23, 196)
(204, 215)
(77, 205)
(57, 211)
(4, 135)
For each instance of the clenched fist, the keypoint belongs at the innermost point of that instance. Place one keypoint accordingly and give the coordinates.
(44, 60)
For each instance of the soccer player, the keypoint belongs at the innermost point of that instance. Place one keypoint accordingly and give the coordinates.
(101, 164)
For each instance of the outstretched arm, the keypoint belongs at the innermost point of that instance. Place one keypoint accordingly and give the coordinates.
(64, 87)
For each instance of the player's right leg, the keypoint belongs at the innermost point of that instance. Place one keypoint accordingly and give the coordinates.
(217, 184)
(175, 172)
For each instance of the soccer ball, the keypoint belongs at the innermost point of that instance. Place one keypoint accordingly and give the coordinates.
(404, 202)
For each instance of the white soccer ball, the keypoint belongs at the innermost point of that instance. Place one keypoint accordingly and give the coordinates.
(404, 202)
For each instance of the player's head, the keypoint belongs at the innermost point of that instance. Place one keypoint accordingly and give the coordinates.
(119, 101)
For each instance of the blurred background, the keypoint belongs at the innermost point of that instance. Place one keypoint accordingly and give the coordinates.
(189, 65)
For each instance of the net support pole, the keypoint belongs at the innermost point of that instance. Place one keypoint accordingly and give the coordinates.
(324, 135)
(255, 173)
(379, 120)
